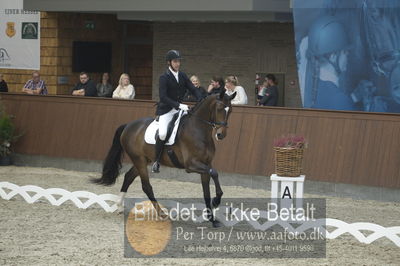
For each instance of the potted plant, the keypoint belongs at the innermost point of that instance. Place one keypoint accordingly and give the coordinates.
(289, 151)
(7, 137)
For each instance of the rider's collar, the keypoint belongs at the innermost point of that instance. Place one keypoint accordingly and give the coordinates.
(176, 74)
(172, 71)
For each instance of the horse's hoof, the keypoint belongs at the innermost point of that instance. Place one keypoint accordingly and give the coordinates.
(215, 202)
(163, 215)
(217, 224)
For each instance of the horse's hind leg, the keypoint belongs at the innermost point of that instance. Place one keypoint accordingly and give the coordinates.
(141, 165)
(129, 178)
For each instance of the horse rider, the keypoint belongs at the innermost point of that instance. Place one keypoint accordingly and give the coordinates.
(328, 51)
(173, 85)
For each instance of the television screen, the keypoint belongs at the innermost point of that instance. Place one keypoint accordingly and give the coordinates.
(92, 57)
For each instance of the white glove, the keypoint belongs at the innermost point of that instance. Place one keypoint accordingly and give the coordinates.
(183, 107)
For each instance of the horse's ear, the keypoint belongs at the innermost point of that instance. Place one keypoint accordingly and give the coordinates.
(221, 94)
(232, 96)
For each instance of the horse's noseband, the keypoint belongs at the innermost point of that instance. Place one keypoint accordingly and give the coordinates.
(215, 124)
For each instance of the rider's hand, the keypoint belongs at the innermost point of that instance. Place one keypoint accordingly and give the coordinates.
(183, 107)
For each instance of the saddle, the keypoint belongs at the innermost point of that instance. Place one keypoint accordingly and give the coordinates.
(151, 133)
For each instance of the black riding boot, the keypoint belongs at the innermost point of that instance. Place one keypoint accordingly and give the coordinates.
(159, 149)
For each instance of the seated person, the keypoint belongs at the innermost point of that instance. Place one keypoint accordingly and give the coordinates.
(216, 86)
(3, 84)
(271, 93)
(232, 86)
(85, 86)
(189, 97)
(35, 85)
(125, 89)
(104, 88)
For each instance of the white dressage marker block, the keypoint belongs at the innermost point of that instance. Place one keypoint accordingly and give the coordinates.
(287, 189)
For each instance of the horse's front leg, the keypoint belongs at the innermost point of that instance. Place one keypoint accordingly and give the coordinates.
(218, 190)
(205, 182)
(205, 172)
(204, 169)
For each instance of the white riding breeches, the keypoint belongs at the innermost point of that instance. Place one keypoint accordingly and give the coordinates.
(163, 122)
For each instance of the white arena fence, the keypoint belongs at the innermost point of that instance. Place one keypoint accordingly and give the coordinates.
(85, 199)
(57, 196)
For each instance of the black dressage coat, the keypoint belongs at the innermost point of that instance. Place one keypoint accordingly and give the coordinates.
(172, 92)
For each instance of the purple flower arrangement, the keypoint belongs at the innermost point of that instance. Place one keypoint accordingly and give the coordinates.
(291, 141)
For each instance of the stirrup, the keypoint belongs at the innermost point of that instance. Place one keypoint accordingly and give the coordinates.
(155, 168)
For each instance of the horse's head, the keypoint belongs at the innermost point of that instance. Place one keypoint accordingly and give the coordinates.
(223, 109)
(214, 111)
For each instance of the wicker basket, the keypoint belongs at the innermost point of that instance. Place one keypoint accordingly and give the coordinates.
(288, 161)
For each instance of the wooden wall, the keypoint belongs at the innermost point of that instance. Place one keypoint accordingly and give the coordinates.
(346, 147)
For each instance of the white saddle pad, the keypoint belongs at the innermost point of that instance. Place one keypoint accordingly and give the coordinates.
(150, 134)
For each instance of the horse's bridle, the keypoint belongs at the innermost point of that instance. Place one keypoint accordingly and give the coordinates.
(214, 124)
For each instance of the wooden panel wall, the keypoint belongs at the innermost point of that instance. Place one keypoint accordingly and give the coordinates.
(345, 147)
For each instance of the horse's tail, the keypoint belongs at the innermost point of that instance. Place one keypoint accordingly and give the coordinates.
(112, 164)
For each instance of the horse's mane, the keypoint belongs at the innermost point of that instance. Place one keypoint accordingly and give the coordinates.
(200, 103)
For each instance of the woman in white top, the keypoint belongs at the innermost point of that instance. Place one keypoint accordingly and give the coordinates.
(231, 86)
(125, 89)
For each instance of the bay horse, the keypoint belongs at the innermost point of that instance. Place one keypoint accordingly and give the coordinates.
(194, 149)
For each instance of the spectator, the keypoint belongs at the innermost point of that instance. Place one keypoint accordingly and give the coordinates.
(35, 85)
(189, 96)
(262, 89)
(125, 89)
(216, 86)
(104, 88)
(271, 93)
(3, 84)
(85, 86)
(232, 85)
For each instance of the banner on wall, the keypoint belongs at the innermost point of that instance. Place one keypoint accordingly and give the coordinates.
(348, 54)
(19, 36)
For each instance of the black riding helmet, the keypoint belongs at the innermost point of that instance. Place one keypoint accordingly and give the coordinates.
(172, 54)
